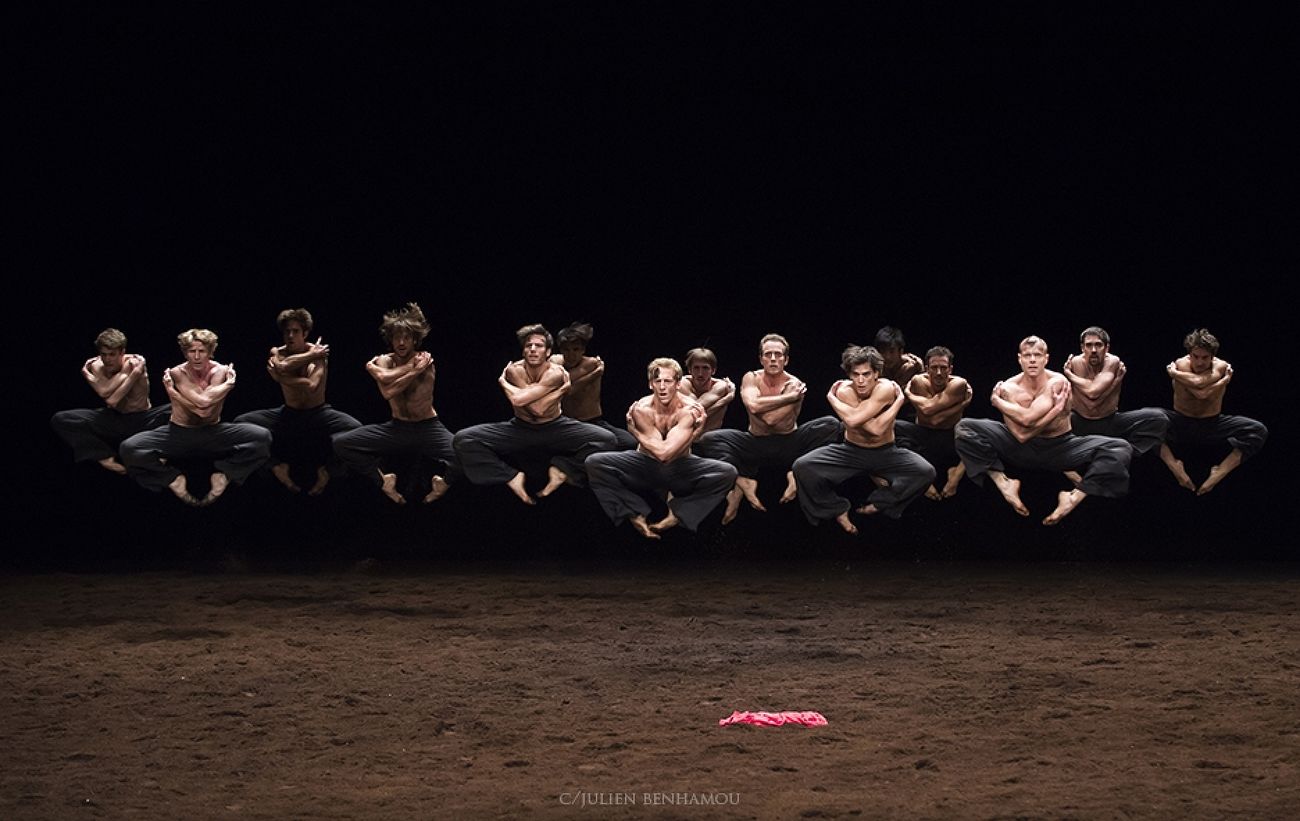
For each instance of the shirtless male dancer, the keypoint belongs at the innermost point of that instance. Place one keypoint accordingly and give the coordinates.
(940, 399)
(198, 389)
(535, 386)
(122, 382)
(1035, 405)
(867, 404)
(773, 397)
(1200, 381)
(405, 377)
(900, 366)
(302, 428)
(582, 400)
(664, 423)
(704, 386)
(1096, 376)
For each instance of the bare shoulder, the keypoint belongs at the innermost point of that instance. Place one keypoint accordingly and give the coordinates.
(641, 408)
(553, 375)
(1221, 365)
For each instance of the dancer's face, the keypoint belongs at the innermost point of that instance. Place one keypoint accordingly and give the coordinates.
(864, 379)
(112, 359)
(295, 336)
(940, 371)
(197, 354)
(1094, 350)
(535, 350)
(773, 357)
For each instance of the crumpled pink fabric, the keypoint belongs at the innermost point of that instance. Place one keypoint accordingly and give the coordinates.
(763, 719)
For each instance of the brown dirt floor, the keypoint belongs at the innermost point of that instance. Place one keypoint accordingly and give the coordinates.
(482, 691)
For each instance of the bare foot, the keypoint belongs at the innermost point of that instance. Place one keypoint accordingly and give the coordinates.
(1067, 500)
(931, 493)
(1010, 490)
(516, 486)
(868, 510)
(438, 486)
(846, 523)
(180, 489)
(666, 523)
(1219, 472)
(111, 464)
(1175, 466)
(954, 479)
(791, 488)
(322, 479)
(749, 487)
(554, 478)
(389, 488)
(1074, 477)
(733, 505)
(638, 522)
(281, 472)
(217, 486)
(1180, 475)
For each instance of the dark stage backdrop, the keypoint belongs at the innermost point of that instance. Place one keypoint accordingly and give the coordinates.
(677, 176)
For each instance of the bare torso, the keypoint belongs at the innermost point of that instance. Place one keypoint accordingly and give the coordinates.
(881, 398)
(136, 398)
(777, 420)
(954, 397)
(1034, 395)
(582, 401)
(304, 387)
(1213, 384)
(201, 395)
(715, 411)
(552, 383)
(414, 402)
(1089, 379)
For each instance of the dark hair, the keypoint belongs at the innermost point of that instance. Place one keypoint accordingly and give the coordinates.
(409, 320)
(889, 337)
(1201, 338)
(300, 315)
(110, 338)
(1096, 331)
(855, 355)
(939, 350)
(534, 330)
(580, 332)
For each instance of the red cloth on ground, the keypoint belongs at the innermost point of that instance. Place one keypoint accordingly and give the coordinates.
(763, 719)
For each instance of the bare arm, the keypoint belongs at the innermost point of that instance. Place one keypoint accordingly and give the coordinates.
(792, 391)
(590, 374)
(886, 392)
(1201, 386)
(1043, 409)
(554, 380)
(664, 447)
(201, 400)
(393, 380)
(884, 420)
(722, 392)
(956, 392)
(1109, 379)
(114, 389)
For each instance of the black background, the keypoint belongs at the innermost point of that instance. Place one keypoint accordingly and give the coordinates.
(677, 175)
